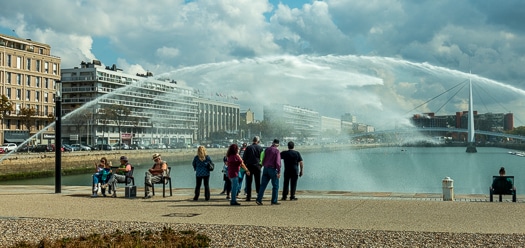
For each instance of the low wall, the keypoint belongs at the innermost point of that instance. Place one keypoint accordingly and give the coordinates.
(30, 165)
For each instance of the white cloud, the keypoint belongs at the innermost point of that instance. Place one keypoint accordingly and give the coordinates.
(313, 46)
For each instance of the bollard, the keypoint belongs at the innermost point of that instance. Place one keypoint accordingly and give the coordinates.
(448, 189)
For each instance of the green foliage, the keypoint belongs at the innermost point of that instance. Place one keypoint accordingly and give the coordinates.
(28, 117)
(165, 238)
(518, 131)
(5, 106)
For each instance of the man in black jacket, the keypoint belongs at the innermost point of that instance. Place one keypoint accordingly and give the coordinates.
(251, 158)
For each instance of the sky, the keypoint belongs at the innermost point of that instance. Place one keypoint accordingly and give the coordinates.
(380, 60)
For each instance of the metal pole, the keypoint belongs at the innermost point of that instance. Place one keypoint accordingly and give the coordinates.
(58, 141)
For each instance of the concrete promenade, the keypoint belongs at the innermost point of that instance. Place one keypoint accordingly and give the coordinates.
(316, 209)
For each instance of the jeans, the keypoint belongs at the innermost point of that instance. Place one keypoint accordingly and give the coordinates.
(241, 177)
(235, 188)
(267, 175)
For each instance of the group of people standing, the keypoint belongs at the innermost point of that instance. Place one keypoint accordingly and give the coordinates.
(260, 166)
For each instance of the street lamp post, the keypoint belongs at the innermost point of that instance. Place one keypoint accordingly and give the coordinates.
(58, 138)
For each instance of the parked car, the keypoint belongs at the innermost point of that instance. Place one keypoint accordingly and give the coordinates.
(9, 147)
(157, 146)
(93, 148)
(104, 147)
(121, 147)
(41, 148)
(79, 147)
(22, 148)
(67, 148)
(137, 147)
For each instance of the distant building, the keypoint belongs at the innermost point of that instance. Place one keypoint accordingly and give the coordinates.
(216, 116)
(330, 124)
(247, 117)
(162, 112)
(28, 76)
(304, 123)
(494, 122)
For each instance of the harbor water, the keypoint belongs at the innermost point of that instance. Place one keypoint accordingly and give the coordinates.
(383, 169)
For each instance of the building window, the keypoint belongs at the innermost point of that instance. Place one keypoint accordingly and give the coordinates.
(28, 80)
(18, 62)
(45, 97)
(46, 111)
(8, 60)
(28, 95)
(37, 111)
(18, 79)
(37, 96)
(54, 69)
(46, 67)
(7, 124)
(18, 125)
(37, 65)
(8, 77)
(46, 83)
(18, 94)
(28, 64)
(8, 93)
(37, 82)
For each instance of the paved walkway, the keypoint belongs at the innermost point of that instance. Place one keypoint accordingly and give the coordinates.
(322, 209)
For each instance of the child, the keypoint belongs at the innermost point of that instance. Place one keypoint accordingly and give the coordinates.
(227, 182)
(96, 177)
(105, 175)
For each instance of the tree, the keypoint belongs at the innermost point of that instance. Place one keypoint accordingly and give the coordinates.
(116, 114)
(28, 115)
(81, 121)
(28, 118)
(5, 107)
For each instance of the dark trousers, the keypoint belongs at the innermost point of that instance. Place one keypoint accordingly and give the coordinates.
(290, 181)
(255, 172)
(227, 185)
(206, 180)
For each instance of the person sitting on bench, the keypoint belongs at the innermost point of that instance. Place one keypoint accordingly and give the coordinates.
(507, 184)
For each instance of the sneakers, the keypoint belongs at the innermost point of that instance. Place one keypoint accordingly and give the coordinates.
(293, 199)
(276, 203)
(222, 193)
(94, 195)
(235, 204)
(114, 195)
(149, 195)
(259, 203)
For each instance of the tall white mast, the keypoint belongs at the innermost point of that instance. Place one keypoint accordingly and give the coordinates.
(471, 142)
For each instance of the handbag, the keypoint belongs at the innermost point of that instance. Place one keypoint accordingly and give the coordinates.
(211, 165)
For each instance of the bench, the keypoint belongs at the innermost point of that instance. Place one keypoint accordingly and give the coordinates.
(502, 185)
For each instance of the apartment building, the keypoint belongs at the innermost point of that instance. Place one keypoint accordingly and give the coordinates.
(161, 112)
(292, 122)
(28, 78)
